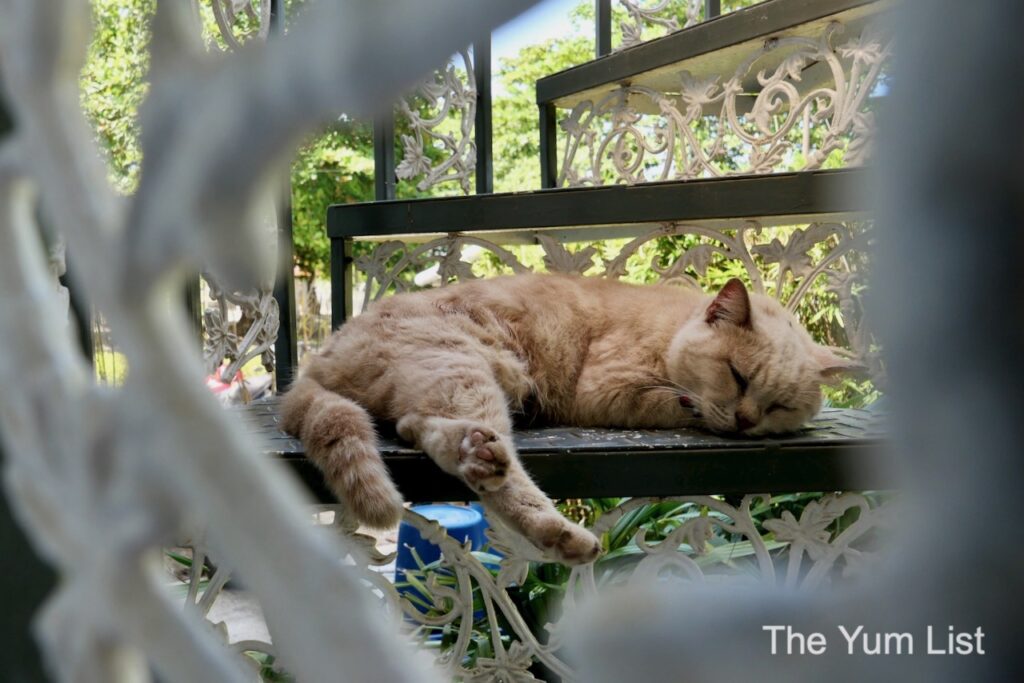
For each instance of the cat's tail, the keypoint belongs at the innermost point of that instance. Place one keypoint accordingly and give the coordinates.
(339, 437)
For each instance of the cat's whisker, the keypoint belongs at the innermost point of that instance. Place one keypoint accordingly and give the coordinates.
(714, 411)
(675, 393)
(673, 383)
(664, 401)
(682, 391)
(695, 411)
(672, 395)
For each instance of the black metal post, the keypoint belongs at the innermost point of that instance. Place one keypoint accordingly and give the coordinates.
(81, 315)
(712, 9)
(384, 156)
(194, 306)
(277, 17)
(286, 350)
(548, 146)
(482, 128)
(604, 27)
(341, 281)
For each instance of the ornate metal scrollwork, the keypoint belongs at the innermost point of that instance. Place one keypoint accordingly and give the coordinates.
(240, 326)
(239, 21)
(239, 341)
(657, 15)
(450, 99)
(714, 539)
(806, 552)
(809, 108)
(783, 262)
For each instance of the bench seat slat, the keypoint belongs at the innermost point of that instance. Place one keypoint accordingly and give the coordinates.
(839, 450)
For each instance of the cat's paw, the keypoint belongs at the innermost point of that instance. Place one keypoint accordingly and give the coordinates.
(571, 543)
(483, 458)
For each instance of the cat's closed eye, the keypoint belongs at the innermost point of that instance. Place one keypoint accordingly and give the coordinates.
(775, 407)
(741, 381)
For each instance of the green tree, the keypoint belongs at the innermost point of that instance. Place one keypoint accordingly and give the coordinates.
(335, 167)
(516, 145)
(113, 83)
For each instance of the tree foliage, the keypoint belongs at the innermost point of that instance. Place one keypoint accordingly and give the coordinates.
(333, 167)
(516, 145)
(113, 83)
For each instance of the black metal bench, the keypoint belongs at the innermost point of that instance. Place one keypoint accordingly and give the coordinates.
(838, 451)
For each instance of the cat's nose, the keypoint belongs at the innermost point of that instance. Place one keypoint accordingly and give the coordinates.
(743, 423)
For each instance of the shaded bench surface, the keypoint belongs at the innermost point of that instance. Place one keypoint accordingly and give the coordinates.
(838, 450)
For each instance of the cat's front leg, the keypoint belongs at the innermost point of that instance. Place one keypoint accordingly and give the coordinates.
(485, 459)
(526, 509)
(468, 449)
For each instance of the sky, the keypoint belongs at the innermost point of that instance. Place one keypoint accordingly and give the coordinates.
(547, 19)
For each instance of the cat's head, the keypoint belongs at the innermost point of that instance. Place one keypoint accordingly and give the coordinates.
(745, 364)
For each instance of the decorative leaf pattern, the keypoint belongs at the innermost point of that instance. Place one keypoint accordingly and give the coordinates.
(558, 259)
(232, 15)
(796, 260)
(830, 554)
(642, 16)
(447, 95)
(713, 127)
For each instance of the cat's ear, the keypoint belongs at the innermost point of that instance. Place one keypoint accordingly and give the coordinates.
(833, 367)
(732, 305)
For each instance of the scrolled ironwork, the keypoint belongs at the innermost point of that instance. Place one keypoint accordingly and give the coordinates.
(239, 21)
(809, 107)
(784, 262)
(805, 552)
(659, 14)
(445, 123)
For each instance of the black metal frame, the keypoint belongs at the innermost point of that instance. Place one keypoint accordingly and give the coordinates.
(719, 32)
(781, 194)
(712, 9)
(384, 157)
(604, 474)
(603, 25)
(548, 145)
(840, 453)
(482, 129)
(801, 194)
(81, 316)
(385, 180)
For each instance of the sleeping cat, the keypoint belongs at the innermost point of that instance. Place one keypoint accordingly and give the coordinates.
(451, 366)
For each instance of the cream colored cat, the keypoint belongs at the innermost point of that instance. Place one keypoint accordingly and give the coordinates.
(450, 366)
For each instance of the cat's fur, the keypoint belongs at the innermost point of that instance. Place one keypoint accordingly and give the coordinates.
(450, 366)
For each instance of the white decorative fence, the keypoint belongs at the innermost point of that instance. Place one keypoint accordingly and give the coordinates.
(101, 478)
